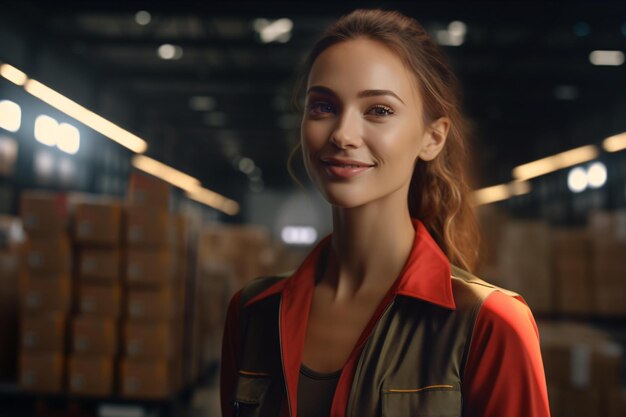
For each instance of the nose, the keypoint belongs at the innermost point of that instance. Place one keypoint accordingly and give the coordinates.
(347, 132)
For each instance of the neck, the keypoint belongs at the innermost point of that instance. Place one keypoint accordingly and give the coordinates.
(370, 245)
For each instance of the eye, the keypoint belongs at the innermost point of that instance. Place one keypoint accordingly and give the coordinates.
(380, 110)
(320, 107)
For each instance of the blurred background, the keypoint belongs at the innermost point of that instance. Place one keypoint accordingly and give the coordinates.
(143, 180)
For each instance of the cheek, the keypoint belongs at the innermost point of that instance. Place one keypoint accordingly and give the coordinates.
(395, 144)
(313, 135)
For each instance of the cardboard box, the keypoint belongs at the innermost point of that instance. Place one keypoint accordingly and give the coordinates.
(102, 265)
(154, 304)
(617, 402)
(95, 336)
(580, 357)
(572, 263)
(609, 278)
(148, 191)
(44, 214)
(153, 339)
(91, 375)
(98, 223)
(9, 308)
(149, 379)
(45, 293)
(100, 300)
(42, 371)
(149, 227)
(48, 255)
(525, 263)
(151, 267)
(44, 331)
(11, 233)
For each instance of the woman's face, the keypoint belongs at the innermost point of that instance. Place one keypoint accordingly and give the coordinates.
(362, 129)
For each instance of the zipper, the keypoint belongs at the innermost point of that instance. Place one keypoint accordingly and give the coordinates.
(280, 343)
(359, 364)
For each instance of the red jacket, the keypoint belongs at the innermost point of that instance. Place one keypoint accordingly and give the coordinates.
(504, 374)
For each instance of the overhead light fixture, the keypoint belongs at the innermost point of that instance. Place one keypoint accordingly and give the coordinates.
(170, 52)
(202, 103)
(273, 31)
(10, 115)
(615, 143)
(500, 192)
(577, 180)
(165, 172)
(555, 162)
(46, 130)
(143, 17)
(597, 175)
(609, 58)
(215, 200)
(13, 74)
(85, 116)
(68, 138)
(298, 235)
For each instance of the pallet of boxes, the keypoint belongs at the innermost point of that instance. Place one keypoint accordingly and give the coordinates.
(152, 331)
(45, 292)
(11, 239)
(97, 233)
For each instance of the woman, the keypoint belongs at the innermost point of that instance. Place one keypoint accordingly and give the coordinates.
(382, 317)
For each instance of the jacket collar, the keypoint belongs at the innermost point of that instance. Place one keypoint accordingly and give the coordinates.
(426, 274)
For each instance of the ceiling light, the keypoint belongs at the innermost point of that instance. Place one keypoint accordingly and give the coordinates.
(170, 52)
(566, 92)
(555, 162)
(46, 129)
(68, 138)
(13, 74)
(596, 175)
(165, 172)
(278, 30)
(615, 143)
(10, 115)
(608, 58)
(143, 17)
(298, 235)
(85, 116)
(577, 180)
(202, 103)
(500, 192)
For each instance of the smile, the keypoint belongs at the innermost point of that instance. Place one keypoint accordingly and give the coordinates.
(344, 169)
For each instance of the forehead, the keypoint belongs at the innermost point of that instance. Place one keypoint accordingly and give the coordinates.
(362, 64)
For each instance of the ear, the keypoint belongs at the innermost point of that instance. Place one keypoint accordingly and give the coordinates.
(435, 138)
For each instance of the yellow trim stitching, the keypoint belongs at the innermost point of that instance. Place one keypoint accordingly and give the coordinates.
(250, 373)
(419, 389)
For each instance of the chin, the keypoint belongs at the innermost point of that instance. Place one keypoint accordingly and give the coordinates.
(344, 198)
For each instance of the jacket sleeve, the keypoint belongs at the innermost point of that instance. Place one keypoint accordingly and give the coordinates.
(504, 375)
(230, 351)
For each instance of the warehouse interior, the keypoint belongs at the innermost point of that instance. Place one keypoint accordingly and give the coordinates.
(144, 178)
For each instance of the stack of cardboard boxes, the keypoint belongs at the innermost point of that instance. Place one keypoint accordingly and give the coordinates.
(11, 237)
(583, 370)
(45, 292)
(97, 233)
(152, 333)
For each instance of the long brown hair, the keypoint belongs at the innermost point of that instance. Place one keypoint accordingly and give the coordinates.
(439, 194)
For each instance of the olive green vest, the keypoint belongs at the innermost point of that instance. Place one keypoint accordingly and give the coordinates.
(412, 363)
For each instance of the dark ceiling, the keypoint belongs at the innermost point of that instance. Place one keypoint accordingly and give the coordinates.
(514, 57)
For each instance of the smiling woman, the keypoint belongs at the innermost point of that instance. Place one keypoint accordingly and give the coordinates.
(383, 317)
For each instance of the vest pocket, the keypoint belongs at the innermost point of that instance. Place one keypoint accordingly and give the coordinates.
(442, 400)
(250, 394)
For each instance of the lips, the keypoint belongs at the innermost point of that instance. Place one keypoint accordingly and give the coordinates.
(346, 163)
(341, 168)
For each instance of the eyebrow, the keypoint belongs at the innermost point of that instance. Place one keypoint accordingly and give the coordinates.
(360, 94)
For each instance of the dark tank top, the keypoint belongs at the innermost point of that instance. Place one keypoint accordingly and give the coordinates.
(315, 392)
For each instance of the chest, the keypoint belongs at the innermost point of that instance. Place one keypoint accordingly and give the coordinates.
(333, 329)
